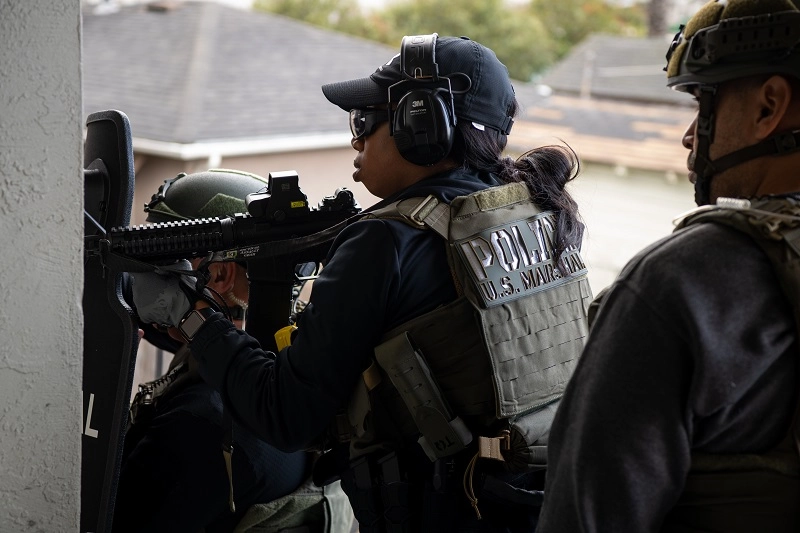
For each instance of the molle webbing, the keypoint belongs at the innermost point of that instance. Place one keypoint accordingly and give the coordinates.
(535, 346)
(520, 322)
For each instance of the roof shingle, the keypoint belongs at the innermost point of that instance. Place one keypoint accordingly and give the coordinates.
(204, 72)
(610, 66)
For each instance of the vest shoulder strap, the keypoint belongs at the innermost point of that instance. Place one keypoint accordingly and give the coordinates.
(432, 213)
(417, 212)
(774, 225)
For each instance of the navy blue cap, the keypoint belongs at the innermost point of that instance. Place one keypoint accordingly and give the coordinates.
(482, 90)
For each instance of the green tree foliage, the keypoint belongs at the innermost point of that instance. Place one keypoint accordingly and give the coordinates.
(339, 15)
(527, 38)
(516, 35)
(571, 21)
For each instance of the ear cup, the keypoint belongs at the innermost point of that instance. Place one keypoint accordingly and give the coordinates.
(421, 127)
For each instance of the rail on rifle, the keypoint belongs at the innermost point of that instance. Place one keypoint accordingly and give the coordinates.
(279, 222)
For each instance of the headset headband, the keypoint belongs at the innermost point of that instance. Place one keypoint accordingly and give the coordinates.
(418, 57)
(418, 65)
(421, 105)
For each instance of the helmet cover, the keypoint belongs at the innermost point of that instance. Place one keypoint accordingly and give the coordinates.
(207, 194)
(730, 39)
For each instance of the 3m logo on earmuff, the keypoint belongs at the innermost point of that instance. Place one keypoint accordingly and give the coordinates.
(423, 121)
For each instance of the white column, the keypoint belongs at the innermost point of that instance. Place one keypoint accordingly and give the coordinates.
(41, 268)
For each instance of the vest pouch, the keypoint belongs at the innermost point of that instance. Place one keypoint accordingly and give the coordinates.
(528, 440)
(378, 417)
(443, 434)
(522, 446)
(459, 362)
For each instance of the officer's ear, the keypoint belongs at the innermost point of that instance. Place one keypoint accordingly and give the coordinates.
(774, 99)
(222, 276)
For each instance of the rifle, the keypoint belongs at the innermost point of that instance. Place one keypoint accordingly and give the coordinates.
(279, 222)
(279, 232)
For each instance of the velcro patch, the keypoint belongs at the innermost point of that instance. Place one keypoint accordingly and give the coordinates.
(515, 259)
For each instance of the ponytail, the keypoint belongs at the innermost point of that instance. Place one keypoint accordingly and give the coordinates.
(545, 170)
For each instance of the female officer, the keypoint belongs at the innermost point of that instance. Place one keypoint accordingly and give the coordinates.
(432, 122)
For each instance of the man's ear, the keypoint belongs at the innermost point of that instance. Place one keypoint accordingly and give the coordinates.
(774, 98)
(223, 276)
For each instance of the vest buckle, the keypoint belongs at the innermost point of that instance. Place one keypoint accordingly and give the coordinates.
(423, 209)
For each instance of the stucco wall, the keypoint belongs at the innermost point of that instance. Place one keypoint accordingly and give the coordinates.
(41, 272)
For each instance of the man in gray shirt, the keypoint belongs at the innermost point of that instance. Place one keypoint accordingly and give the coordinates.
(681, 415)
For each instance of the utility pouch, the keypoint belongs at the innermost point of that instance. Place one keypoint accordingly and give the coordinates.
(143, 406)
(443, 434)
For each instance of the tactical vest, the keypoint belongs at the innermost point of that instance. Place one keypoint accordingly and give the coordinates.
(491, 365)
(750, 492)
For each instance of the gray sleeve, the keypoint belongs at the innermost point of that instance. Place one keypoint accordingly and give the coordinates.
(619, 448)
(675, 361)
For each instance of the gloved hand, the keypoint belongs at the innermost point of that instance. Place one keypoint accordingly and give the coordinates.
(165, 296)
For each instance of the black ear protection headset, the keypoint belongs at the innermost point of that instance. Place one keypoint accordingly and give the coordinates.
(423, 121)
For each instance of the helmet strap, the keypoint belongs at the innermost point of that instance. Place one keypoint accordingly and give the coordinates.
(782, 143)
(703, 166)
(239, 307)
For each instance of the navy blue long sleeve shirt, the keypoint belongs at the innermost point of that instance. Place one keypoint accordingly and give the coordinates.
(379, 274)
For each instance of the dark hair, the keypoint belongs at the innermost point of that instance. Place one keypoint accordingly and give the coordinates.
(545, 170)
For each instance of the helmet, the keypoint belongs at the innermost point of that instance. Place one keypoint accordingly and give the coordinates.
(727, 40)
(730, 39)
(213, 193)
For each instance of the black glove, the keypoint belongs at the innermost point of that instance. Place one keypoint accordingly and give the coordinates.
(165, 296)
